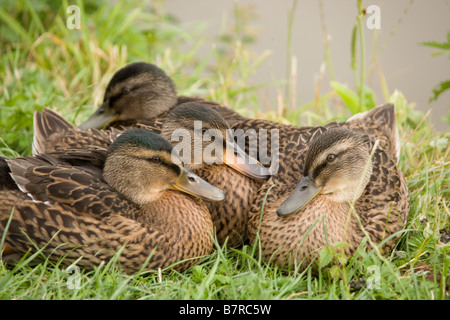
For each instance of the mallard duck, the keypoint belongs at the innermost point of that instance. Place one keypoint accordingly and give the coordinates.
(141, 204)
(336, 183)
(239, 178)
(139, 92)
(225, 165)
(142, 95)
(378, 123)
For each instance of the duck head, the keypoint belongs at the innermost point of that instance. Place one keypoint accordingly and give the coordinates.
(337, 166)
(138, 91)
(140, 166)
(210, 137)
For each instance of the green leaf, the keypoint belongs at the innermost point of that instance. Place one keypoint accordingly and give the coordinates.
(349, 97)
(398, 100)
(439, 89)
(222, 279)
(340, 244)
(325, 257)
(342, 258)
(335, 272)
(439, 45)
(368, 99)
(198, 274)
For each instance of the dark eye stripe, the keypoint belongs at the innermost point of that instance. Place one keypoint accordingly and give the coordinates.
(172, 166)
(322, 166)
(319, 169)
(117, 97)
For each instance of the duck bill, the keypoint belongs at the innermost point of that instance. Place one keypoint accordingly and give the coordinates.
(305, 191)
(100, 118)
(237, 159)
(192, 184)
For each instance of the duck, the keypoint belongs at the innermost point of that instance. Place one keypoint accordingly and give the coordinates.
(378, 123)
(142, 205)
(141, 91)
(226, 166)
(141, 95)
(232, 170)
(337, 183)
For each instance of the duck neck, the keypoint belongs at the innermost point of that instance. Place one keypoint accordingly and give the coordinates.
(212, 173)
(337, 218)
(239, 187)
(180, 217)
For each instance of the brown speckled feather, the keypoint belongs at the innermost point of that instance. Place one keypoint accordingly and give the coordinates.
(230, 216)
(228, 114)
(383, 208)
(71, 211)
(53, 133)
(378, 123)
(65, 230)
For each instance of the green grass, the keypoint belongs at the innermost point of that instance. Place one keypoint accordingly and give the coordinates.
(44, 64)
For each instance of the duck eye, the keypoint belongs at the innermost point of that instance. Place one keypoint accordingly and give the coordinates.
(331, 157)
(126, 90)
(101, 110)
(155, 159)
(204, 129)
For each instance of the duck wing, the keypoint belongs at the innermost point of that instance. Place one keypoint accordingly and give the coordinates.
(67, 211)
(60, 230)
(53, 133)
(379, 123)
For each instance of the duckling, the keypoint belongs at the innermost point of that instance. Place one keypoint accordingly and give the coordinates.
(225, 166)
(141, 205)
(334, 183)
(139, 92)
